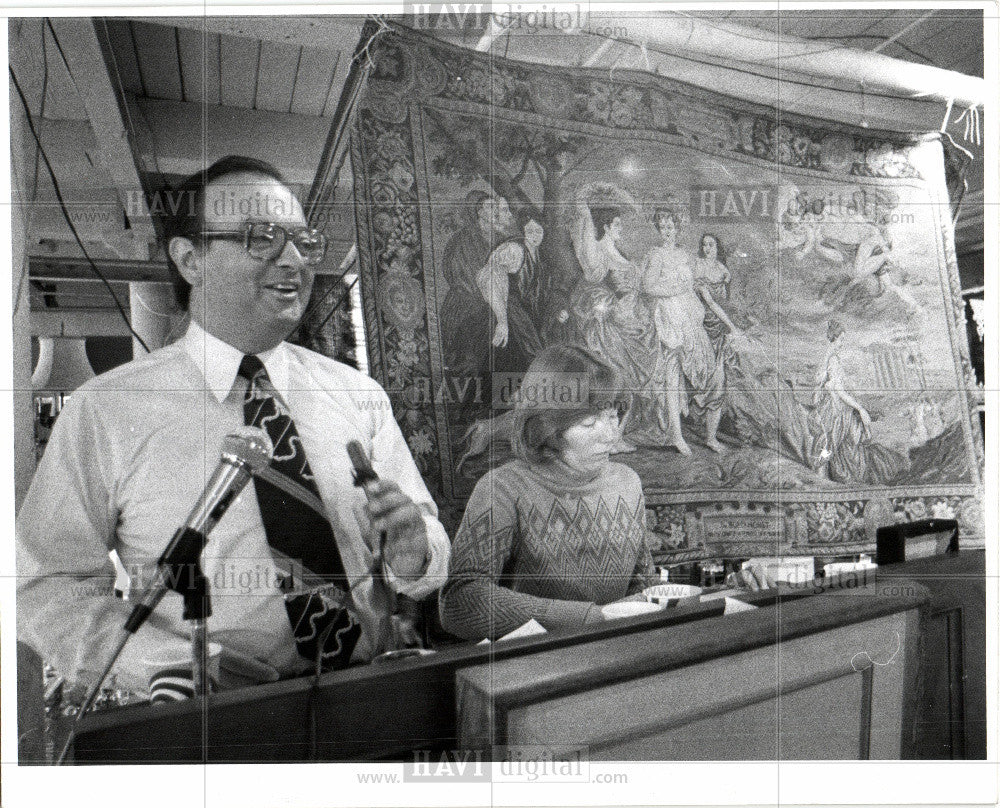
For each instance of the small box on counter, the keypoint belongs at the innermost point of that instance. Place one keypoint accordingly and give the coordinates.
(909, 541)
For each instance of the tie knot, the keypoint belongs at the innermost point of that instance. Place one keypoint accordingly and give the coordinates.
(250, 366)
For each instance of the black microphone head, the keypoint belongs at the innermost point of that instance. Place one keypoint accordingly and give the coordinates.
(363, 471)
(249, 446)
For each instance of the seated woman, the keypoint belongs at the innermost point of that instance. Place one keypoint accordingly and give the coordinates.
(560, 531)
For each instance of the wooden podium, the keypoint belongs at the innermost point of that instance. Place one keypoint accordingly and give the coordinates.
(821, 663)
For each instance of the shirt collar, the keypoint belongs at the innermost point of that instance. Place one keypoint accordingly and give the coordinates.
(219, 361)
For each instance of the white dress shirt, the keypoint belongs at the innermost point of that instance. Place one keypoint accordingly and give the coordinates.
(129, 456)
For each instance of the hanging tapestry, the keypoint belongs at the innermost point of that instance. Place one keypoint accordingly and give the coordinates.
(779, 294)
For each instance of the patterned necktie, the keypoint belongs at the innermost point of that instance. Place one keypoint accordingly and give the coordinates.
(297, 529)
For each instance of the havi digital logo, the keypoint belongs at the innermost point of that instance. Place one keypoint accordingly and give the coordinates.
(452, 765)
(451, 16)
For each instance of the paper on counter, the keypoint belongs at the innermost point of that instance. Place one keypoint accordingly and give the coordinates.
(735, 606)
(527, 630)
(732, 605)
(722, 593)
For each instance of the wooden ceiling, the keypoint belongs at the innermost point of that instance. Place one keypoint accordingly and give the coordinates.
(191, 61)
(196, 88)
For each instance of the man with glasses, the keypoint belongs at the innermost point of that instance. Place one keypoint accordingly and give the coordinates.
(304, 566)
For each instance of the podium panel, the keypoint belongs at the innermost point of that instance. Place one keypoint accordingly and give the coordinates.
(834, 694)
(812, 673)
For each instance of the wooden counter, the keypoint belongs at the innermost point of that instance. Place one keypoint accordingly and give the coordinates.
(684, 683)
(832, 676)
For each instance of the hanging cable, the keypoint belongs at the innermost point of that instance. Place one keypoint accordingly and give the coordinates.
(65, 211)
(971, 118)
(126, 108)
(315, 305)
(947, 114)
(147, 307)
(345, 267)
(853, 37)
(34, 188)
(362, 64)
(957, 203)
(365, 51)
(343, 297)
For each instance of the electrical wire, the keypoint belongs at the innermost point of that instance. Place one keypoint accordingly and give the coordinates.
(65, 211)
(362, 61)
(897, 43)
(126, 108)
(758, 74)
(147, 307)
(339, 303)
(314, 305)
(41, 107)
(767, 36)
(34, 189)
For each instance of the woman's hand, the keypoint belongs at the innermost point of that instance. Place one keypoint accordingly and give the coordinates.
(500, 335)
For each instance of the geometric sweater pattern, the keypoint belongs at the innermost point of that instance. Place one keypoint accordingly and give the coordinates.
(540, 542)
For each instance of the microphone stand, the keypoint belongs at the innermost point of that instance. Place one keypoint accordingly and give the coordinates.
(183, 555)
(180, 568)
(197, 610)
(244, 453)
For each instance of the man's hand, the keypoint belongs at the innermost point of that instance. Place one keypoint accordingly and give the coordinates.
(395, 514)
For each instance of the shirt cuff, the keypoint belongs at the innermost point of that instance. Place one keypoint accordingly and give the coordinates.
(436, 570)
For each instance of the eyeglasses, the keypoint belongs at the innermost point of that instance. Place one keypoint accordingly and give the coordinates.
(266, 240)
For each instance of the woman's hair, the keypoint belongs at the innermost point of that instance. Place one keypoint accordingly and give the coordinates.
(563, 385)
(834, 329)
(720, 253)
(666, 213)
(603, 217)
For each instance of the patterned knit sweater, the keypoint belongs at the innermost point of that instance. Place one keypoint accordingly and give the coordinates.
(547, 543)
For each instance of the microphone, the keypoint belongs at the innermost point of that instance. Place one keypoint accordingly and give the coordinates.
(403, 612)
(244, 453)
(363, 474)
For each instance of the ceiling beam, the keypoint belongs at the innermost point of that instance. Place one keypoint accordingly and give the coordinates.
(176, 137)
(104, 105)
(329, 32)
(77, 269)
(78, 323)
